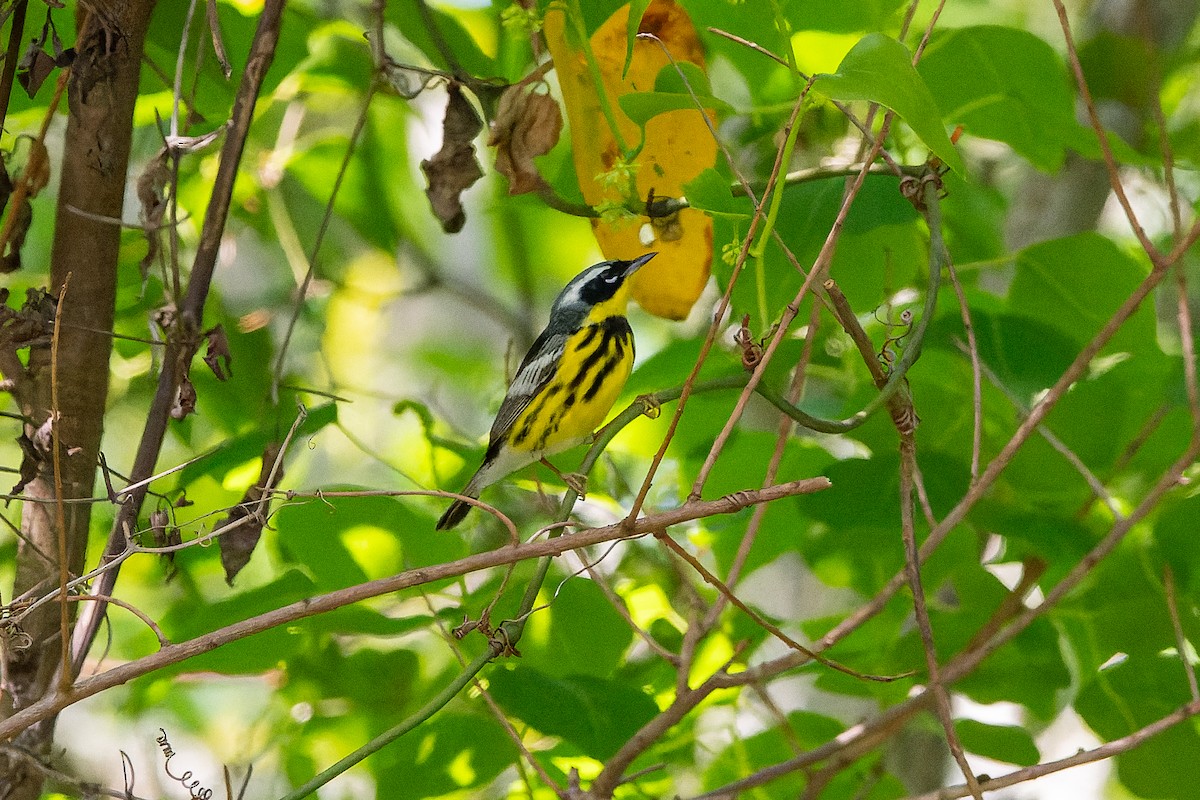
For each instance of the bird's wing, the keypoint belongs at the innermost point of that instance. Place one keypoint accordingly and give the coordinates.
(536, 371)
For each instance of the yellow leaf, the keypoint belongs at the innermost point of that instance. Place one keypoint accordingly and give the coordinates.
(678, 146)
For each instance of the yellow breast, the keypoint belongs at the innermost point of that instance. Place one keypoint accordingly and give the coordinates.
(596, 362)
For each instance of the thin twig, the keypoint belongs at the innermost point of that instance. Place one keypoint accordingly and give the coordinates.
(764, 623)
(179, 349)
(1187, 341)
(163, 641)
(493, 706)
(1095, 484)
(786, 425)
(937, 687)
(1181, 642)
(60, 512)
(998, 464)
(12, 57)
(302, 292)
(1110, 161)
(864, 737)
(820, 265)
(976, 371)
(320, 604)
(723, 305)
(618, 603)
(1106, 750)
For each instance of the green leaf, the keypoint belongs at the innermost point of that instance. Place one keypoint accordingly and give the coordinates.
(1005, 342)
(839, 16)
(1124, 609)
(1004, 84)
(1129, 695)
(709, 191)
(636, 9)
(585, 635)
(406, 16)
(1028, 670)
(1008, 743)
(879, 69)
(671, 94)
(251, 655)
(752, 753)
(1175, 534)
(641, 107)
(1076, 283)
(318, 535)
(236, 451)
(594, 714)
(449, 753)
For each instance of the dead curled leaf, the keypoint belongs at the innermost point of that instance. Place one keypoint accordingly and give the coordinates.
(238, 544)
(10, 260)
(217, 356)
(527, 124)
(165, 535)
(185, 400)
(454, 168)
(152, 195)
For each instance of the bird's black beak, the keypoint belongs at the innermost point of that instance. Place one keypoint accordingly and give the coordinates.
(636, 264)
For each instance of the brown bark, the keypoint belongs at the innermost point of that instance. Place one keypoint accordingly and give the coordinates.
(101, 94)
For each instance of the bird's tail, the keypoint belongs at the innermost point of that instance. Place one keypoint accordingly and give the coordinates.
(459, 508)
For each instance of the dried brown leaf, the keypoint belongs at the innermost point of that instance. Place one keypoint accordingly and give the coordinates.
(454, 168)
(35, 67)
(30, 459)
(165, 535)
(10, 260)
(218, 357)
(152, 195)
(214, 29)
(238, 544)
(185, 400)
(527, 124)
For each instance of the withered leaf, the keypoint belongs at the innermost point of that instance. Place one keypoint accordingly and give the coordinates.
(152, 195)
(30, 459)
(33, 70)
(454, 168)
(165, 535)
(10, 260)
(214, 29)
(218, 352)
(185, 400)
(527, 124)
(238, 544)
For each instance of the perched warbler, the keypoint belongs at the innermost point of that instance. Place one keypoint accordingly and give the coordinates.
(566, 383)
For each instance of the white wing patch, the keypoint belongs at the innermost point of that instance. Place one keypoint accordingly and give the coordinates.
(531, 378)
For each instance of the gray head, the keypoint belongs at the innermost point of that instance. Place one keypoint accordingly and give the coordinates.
(596, 284)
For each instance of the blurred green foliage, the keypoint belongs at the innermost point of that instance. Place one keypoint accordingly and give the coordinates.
(405, 338)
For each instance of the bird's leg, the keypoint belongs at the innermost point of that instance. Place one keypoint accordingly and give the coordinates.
(575, 481)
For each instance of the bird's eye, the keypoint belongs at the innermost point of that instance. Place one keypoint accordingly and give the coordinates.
(612, 278)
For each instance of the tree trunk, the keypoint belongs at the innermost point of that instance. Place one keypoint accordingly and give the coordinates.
(101, 93)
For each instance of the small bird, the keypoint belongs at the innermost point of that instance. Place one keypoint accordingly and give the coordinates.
(566, 383)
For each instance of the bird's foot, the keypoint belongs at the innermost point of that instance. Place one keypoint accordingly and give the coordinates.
(577, 482)
(650, 405)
